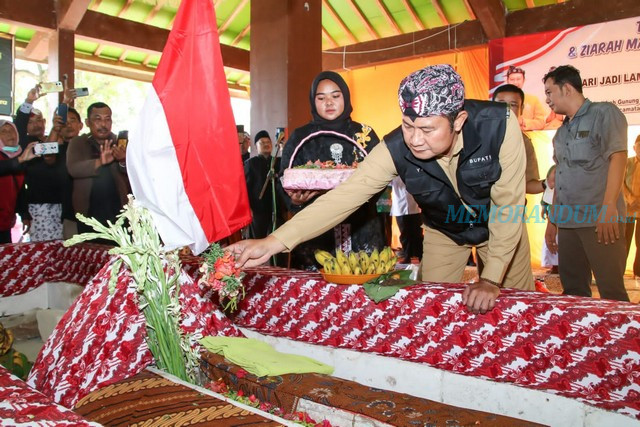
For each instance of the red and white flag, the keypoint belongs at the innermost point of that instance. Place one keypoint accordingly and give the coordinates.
(183, 159)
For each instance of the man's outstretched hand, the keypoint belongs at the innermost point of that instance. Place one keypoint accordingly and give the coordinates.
(251, 253)
(480, 297)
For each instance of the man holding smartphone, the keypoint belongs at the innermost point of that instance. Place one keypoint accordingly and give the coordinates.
(63, 133)
(97, 166)
(29, 120)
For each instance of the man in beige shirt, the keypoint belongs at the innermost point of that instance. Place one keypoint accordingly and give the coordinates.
(464, 163)
(513, 96)
(534, 113)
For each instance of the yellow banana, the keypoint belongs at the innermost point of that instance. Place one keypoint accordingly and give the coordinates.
(338, 268)
(375, 257)
(322, 256)
(357, 271)
(391, 264)
(390, 252)
(327, 267)
(335, 267)
(371, 268)
(384, 255)
(345, 268)
(343, 262)
(353, 261)
(381, 268)
(363, 259)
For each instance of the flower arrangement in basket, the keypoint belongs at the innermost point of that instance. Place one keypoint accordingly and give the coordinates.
(219, 273)
(320, 175)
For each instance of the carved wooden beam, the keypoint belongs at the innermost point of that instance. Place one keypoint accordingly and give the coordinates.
(70, 13)
(101, 28)
(492, 16)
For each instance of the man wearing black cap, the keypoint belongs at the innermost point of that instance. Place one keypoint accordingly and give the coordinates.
(464, 163)
(256, 172)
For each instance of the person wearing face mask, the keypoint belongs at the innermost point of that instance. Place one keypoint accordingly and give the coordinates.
(460, 160)
(12, 162)
(331, 109)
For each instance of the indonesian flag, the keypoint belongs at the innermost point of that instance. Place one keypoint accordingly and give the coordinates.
(183, 160)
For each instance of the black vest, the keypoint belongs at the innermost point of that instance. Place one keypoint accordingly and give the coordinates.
(478, 169)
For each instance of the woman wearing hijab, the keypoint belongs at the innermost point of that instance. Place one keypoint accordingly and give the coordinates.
(331, 109)
(12, 159)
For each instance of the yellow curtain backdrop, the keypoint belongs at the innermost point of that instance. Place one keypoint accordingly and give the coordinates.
(374, 90)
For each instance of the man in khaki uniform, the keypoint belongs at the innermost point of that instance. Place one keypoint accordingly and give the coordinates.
(533, 112)
(513, 96)
(463, 162)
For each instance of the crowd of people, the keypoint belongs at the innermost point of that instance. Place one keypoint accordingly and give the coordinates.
(84, 174)
(449, 155)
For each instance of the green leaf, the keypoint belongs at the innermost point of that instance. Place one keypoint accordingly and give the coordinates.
(387, 285)
(212, 254)
(392, 275)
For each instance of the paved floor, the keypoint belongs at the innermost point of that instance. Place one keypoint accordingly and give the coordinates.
(552, 281)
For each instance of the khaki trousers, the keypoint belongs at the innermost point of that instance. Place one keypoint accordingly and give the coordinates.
(444, 261)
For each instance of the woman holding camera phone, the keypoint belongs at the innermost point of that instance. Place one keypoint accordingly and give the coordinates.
(12, 163)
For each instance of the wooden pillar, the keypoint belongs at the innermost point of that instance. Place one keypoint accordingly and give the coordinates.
(286, 54)
(61, 57)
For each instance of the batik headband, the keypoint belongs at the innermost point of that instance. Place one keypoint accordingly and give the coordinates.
(436, 90)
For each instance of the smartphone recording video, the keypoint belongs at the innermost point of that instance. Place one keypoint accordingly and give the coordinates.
(123, 138)
(62, 111)
(42, 148)
(82, 91)
(51, 87)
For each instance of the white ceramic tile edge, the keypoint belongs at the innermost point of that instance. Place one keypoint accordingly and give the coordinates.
(17, 304)
(435, 384)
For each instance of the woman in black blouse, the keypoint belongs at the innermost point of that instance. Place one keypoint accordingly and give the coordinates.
(331, 110)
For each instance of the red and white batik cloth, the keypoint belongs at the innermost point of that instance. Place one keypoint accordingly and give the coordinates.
(101, 338)
(25, 266)
(20, 405)
(583, 348)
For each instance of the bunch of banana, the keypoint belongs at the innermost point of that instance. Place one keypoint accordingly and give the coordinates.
(383, 261)
(357, 263)
(327, 261)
